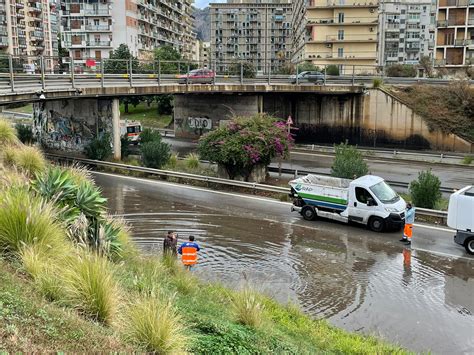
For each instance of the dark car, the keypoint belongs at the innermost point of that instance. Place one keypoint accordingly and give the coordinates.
(308, 77)
(197, 76)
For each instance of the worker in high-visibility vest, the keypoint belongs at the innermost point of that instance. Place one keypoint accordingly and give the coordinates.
(409, 220)
(188, 251)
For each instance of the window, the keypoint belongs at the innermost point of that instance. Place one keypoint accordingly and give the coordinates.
(384, 193)
(340, 17)
(340, 35)
(362, 195)
(340, 52)
(98, 55)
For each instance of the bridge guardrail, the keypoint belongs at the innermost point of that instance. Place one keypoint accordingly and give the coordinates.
(249, 185)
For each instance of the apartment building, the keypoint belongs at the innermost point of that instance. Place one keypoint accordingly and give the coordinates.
(455, 33)
(92, 28)
(406, 31)
(255, 31)
(342, 32)
(204, 52)
(28, 29)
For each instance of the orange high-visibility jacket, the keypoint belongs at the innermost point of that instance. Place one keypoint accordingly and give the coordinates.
(188, 253)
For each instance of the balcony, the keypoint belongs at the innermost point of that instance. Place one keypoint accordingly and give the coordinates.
(98, 28)
(97, 12)
(98, 43)
(349, 38)
(342, 4)
(464, 42)
(455, 3)
(3, 42)
(412, 49)
(330, 21)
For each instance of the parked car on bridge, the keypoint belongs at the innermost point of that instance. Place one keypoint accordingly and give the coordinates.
(308, 77)
(197, 76)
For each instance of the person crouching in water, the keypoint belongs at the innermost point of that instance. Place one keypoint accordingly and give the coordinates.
(409, 220)
(188, 251)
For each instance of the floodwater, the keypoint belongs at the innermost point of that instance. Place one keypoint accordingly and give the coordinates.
(416, 299)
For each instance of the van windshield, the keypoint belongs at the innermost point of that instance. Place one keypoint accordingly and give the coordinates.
(384, 193)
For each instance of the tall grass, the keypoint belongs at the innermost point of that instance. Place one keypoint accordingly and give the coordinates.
(170, 262)
(173, 161)
(192, 161)
(247, 307)
(26, 219)
(91, 288)
(45, 270)
(148, 276)
(156, 326)
(30, 160)
(184, 281)
(7, 133)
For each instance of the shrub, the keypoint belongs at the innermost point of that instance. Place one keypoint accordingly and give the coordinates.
(24, 133)
(248, 70)
(173, 161)
(155, 154)
(468, 159)
(29, 160)
(90, 287)
(425, 191)
(99, 148)
(155, 326)
(7, 133)
(184, 281)
(246, 142)
(192, 161)
(149, 135)
(247, 307)
(332, 70)
(348, 162)
(377, 82)
(27, 220)
(124, 147)
(400, 70)
(307, 66)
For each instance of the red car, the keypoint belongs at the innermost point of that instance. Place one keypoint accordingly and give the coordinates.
(197, 76)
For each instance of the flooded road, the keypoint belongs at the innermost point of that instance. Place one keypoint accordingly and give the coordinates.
(358, 280)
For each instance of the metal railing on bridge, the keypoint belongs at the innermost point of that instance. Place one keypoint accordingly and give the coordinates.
(29, 73)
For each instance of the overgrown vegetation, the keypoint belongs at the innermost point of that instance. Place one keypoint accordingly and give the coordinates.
(425, 191)
(24, 132)
(448, 108)
(246, 142)
(99, 148)
(377, 82)
(59, 291)
(400, 70)
(348, 162)
(246, 69)
(155, 153)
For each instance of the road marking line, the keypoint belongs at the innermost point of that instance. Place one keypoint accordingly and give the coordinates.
(444, 254)
(435, 228)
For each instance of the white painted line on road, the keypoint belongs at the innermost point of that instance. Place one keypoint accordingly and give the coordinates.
(435, 228)
(444, 254)
(269, 200)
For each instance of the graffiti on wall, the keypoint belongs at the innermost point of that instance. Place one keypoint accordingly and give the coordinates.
(193, 126)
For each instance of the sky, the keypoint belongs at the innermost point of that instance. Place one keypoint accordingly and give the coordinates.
(204, 3)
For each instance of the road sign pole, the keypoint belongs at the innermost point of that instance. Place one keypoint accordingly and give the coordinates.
(43, 84)
(72, 73)
(12, 76)
(130, 66)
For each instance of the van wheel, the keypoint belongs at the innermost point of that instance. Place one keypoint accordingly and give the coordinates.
(376, 224)
(308, 213)
(469, 245)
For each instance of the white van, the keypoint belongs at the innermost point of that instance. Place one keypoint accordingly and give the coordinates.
(368, 200)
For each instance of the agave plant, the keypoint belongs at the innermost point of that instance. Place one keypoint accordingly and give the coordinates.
(89, 200)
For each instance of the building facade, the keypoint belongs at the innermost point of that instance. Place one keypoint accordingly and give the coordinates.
(253, 31)
(406, 31)
(92, 28)
(340, 32)
(204, 53)
(29, 29)
(455, 33)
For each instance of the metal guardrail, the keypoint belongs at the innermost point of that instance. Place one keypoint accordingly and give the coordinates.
(365, 150)
(208, 179)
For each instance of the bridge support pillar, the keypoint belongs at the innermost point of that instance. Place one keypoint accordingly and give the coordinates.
(116, 129)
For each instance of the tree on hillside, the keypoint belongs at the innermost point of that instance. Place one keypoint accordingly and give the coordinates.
(119, 59)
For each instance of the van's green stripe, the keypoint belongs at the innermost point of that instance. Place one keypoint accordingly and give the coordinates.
(323, 198)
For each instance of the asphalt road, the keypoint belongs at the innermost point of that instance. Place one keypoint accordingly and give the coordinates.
(420, 297)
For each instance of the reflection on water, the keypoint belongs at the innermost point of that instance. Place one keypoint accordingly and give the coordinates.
(415, 299)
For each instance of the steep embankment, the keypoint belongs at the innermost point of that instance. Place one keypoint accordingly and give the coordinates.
(448, 108)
